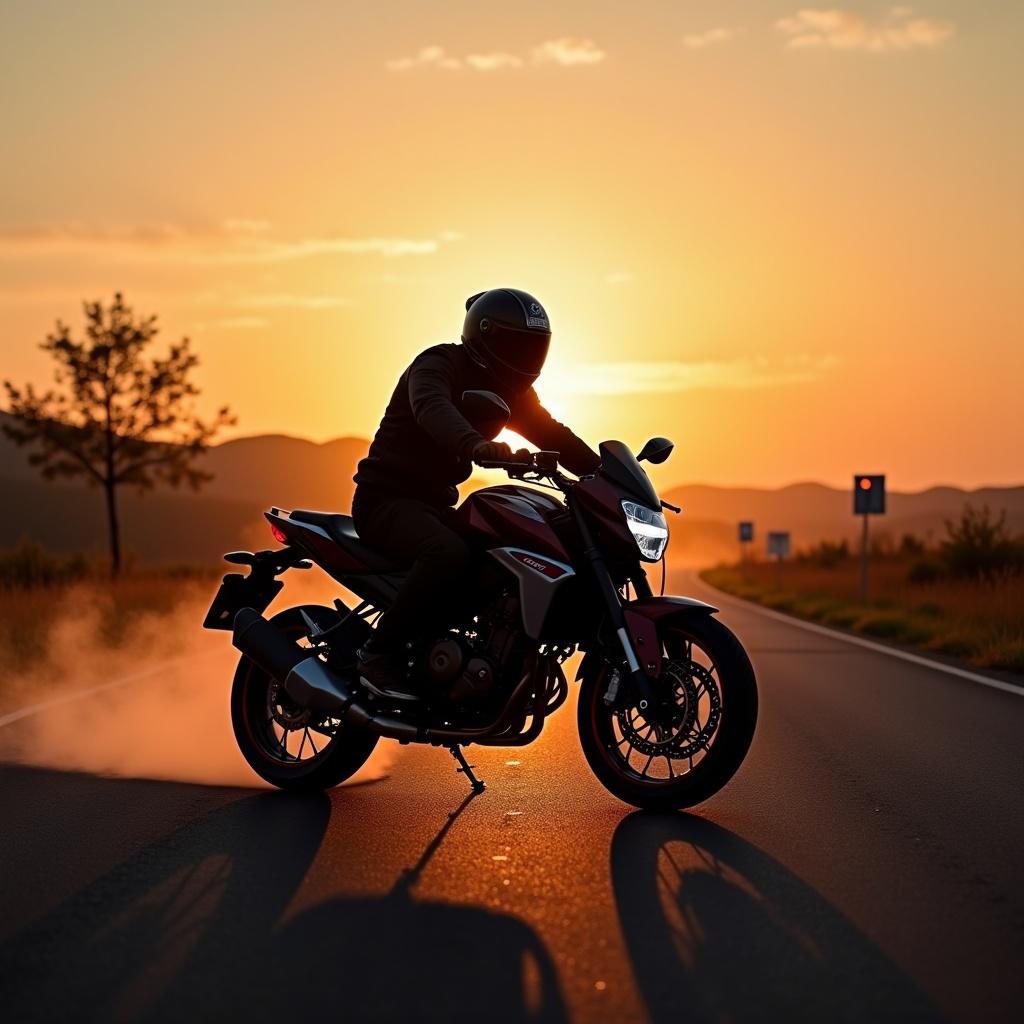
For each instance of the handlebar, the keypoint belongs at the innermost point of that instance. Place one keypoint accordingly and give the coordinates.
(544, 464)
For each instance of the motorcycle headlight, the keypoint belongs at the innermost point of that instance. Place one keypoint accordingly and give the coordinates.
(649, 529)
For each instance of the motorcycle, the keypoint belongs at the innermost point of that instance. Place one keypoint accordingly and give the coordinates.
(667, 702)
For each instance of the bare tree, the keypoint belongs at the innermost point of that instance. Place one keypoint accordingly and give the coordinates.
(118, 416)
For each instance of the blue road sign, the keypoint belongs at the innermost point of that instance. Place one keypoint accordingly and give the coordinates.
(778, 543)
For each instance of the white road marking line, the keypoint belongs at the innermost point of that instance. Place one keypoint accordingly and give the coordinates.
(915, 659)
(134, 677)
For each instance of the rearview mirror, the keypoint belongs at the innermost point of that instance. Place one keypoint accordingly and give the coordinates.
(657, 450)
(486, 411)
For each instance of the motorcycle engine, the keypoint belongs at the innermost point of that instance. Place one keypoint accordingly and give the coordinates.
(459, 673)
(465, 669)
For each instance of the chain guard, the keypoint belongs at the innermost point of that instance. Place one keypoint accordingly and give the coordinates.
(683, 743)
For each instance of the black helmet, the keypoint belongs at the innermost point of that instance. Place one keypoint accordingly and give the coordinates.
(507, 331)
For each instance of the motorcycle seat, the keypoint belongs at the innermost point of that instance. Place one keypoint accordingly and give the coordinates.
(342, 531)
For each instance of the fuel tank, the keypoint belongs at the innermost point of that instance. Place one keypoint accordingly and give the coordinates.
(513, 516)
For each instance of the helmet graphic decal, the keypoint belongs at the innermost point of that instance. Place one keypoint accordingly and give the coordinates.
(537, 317)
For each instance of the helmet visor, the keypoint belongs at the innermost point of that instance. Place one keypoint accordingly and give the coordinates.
(519, 349)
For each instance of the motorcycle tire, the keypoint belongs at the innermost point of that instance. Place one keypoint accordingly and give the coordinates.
(338, 759)
(725, 753)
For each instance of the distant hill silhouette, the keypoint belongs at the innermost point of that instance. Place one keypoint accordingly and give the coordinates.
(252, 473)
(814, 512)
(169, 526)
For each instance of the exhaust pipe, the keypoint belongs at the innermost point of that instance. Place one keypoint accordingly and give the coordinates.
(307, 680)
(258, 640)
(311, 684)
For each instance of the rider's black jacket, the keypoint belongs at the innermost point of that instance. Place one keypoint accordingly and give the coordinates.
(424, 445)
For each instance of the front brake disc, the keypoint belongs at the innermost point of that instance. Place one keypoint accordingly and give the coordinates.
(685, 737)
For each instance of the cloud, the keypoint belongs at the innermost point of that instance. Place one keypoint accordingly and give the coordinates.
(233, 323)
(900, 30)
(427, 57)
(267, 251)
(568, 52)
(700, 40)
(493, 61)
(672, 376)
(225, 244)
(78, 233)
(287, 300)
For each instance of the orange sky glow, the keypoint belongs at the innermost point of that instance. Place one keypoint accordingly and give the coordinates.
(789, 238)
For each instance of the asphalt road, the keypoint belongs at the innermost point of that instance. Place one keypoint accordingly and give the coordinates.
(866, 864)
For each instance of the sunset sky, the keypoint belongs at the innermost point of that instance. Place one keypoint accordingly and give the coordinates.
(788, 238)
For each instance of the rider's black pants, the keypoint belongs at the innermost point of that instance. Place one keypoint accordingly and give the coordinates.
(413, 531)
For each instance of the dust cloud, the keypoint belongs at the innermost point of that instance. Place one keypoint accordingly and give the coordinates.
(169, 720)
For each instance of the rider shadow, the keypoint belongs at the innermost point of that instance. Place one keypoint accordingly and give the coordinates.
(717, 930)
(195, 927)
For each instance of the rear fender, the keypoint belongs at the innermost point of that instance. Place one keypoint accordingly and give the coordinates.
(646, 619)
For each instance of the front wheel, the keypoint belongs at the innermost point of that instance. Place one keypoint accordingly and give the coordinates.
(289, 746)
(695, 743)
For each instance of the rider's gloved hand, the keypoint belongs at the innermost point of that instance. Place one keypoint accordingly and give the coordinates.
(492, 451)
(521, 455)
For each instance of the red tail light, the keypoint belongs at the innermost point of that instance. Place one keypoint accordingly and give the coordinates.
(278, 534)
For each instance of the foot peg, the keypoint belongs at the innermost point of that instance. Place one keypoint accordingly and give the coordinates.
(466, 768)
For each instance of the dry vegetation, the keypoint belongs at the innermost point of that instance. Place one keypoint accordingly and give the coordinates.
(980, 618)
(41, 594)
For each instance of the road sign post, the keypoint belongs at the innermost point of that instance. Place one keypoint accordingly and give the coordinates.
(868, 500)
(778, 547)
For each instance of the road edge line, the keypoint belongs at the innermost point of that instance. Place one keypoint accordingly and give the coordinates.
(871, 645)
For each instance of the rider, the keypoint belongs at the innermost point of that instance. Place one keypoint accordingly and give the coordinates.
(405, 487)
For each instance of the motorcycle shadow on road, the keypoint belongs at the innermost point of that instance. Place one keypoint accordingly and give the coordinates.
(718, 930)
(198, 927)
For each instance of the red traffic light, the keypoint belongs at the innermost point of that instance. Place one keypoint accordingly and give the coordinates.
(869, 494)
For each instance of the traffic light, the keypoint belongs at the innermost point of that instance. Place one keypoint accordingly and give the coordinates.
(869, 494)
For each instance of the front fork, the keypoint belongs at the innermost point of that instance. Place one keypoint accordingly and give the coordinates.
(639, 679)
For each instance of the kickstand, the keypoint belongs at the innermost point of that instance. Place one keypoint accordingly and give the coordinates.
(467, 769)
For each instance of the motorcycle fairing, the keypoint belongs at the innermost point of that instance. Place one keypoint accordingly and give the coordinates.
(619, 465)
(540, 577)
(493, 515)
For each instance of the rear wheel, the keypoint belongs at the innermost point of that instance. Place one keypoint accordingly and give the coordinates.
(695, 743)
(289, 746)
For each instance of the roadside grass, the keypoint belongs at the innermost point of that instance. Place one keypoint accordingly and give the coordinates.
(981, 622)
